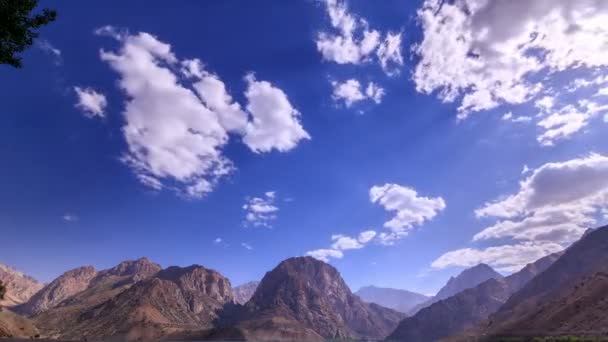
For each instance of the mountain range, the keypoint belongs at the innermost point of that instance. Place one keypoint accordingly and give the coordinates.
(306, 299)
(396, 299)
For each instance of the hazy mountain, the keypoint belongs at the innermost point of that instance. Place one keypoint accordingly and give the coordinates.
(467, 279)
(306, 299)
(396, 299)
(19, 286)
(173, 303)
(244, 292)
(570, 297)
(465, 309)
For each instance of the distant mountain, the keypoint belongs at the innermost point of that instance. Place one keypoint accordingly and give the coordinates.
(171, 304)
(244, 292)
(465, 309)
(306, 299)
(396, 299)
(19, 286)
(569, 298)
(467, 279)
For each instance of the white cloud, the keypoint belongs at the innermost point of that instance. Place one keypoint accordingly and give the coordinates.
(519, 119)
(389, 54)
(246, 246)
(606, 118)
(48, 48)
(409, 208)
(276, 124)
(217, 240)
(325, 254)
(69, 217)
(555, 204)
(568, 121)
(175, 135)
(343, 243)
(91, 102)
(350, 92)
(485, 53)
(353, 42)
(507, 258)
(261, 211)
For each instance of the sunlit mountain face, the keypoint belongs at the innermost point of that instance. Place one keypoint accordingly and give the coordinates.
(302, 170)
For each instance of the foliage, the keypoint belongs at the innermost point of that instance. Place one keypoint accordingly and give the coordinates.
(17, 26)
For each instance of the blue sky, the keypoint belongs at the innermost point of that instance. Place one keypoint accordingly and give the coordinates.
(374, 136)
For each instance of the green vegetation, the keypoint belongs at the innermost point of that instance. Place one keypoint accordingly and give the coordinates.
(17, 26)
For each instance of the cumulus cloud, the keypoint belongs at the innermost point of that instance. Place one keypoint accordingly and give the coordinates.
(409, 209)
(487, 53)
(507, 258)
(341, 243)
(261, 211)
(567, 121)
(91, 102)
(178, 116)
(555, 204)
(275, 124)
(350, 92)
(354, 42)
(325, 254)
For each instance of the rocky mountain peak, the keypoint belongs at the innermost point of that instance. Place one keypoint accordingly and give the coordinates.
(468, 278)
(141, 268)
(66, 285)
(19, 286)
(244, 292)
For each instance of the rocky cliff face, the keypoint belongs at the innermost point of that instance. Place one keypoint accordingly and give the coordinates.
(455, 314)
(172, 302)
(303, 298)
(396, 299)
(244, 292)
(15, 326)
(60, 289)
(19, 286)
(570, 297)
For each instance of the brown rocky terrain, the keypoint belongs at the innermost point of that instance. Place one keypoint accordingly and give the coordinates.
(173, 303)
(306, 299)
(467, 308)
(13, 325)
(569, 298)
(244, 292)
(19, 286)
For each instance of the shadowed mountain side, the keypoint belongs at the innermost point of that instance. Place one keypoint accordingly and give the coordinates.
(466, 279)
(570, 297)
(465, 309)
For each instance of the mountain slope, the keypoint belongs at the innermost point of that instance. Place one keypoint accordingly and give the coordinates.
(306, 299)
(15, 326)
(61, 316)
(570, 297)
(176, 300)
(19, 286)
(466, 279)
(244, 292)
(396, 299)
(464, 310)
